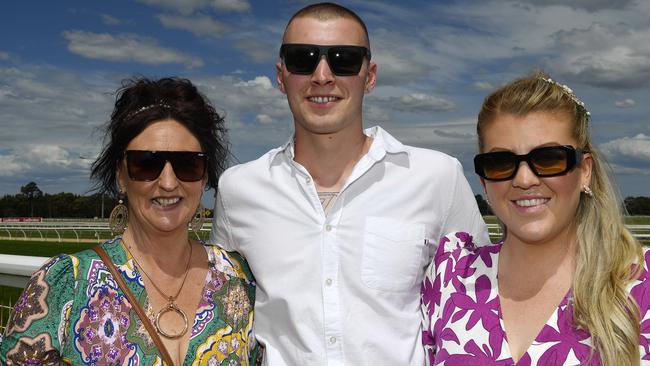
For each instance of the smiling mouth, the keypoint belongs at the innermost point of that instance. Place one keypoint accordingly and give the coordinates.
(322, 100)
(166, 201)
(531, 202)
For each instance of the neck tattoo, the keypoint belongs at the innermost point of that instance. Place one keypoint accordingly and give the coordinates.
(171, 305)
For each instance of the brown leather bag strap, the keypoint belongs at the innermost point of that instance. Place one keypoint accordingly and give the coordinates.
(136, 306)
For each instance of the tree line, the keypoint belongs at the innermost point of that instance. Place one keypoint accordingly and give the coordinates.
(32, 202)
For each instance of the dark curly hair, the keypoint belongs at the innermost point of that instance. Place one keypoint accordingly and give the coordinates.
(166, 98)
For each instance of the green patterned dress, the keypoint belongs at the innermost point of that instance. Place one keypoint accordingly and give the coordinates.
(72, 311)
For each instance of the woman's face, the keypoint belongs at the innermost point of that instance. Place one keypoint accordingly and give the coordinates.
(534, 209)
(165, 204)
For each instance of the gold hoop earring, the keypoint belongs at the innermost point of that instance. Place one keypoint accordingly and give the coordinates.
(119, 218)
(197, 220)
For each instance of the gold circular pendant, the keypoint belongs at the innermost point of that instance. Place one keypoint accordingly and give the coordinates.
(171, 307)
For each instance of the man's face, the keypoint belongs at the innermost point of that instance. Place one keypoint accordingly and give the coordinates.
(324, 103)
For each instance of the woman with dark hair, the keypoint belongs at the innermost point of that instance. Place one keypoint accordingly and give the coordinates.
(567, 284)
(151, 295)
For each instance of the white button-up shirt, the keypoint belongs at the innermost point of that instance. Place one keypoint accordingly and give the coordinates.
(343, 289)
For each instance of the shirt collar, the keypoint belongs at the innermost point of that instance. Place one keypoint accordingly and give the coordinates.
(382, 143)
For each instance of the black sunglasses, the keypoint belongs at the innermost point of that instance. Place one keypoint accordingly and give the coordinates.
(302, 59)
(142, 165)
(548, 161)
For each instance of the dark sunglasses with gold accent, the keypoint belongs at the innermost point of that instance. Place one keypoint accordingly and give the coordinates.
(146, 166)
(548, 161)
(343, 60)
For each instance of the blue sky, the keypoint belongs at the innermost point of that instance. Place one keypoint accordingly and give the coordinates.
(61, 61)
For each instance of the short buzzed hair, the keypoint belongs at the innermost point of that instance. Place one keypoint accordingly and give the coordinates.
(327, 11)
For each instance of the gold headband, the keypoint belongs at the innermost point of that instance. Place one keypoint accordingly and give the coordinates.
(147, 107)
(568, 92)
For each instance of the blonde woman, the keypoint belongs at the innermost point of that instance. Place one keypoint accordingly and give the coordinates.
(567, 283)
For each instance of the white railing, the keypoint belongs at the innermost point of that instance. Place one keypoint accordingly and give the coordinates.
(88, 232)
(15, 270)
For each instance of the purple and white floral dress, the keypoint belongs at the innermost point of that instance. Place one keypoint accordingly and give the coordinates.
(462, 315)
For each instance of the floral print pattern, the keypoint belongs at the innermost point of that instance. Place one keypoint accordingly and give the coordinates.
(73, 311)
(462, 322)
(34, 351)
(100, 334)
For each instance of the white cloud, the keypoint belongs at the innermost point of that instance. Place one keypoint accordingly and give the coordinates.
(197, 25)
(419, 102)
(626, 103)
(232, 5)
(602, 55)
(110, 20)
(456, 138)
(258, 51)
(454, 134)
(183, 7)
(263, 119)
(39, 159)
(45, 156)
(482, 85)
(126, 48)
(261, 84)
(257, 114)
(187, 7)
(41, 104)
(239, 97)
(629, 152)
(11, 166)
(399, 60)
(589, 5)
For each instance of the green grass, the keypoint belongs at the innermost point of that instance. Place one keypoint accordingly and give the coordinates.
(8, 297)
(637, 220)
(41, 248)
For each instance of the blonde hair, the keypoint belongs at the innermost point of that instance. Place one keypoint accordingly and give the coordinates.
(608, 258)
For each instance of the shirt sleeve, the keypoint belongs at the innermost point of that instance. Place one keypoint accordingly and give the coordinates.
(463, 213)
(36, 331)
(221, 234)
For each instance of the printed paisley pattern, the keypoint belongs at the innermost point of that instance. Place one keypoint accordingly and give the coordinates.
(73, 311)
(462, 316)
(31, 304)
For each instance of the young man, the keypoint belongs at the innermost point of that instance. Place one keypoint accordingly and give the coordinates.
(339, 224)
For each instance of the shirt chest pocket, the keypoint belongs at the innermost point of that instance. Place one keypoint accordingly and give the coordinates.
(393, 252)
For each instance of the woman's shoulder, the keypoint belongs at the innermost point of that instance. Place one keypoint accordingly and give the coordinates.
(57, 268)
(112, 247)
(228, 262)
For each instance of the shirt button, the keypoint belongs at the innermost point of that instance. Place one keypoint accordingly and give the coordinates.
(308, 180)
(329, 282)
(328, 227)
(332, 340)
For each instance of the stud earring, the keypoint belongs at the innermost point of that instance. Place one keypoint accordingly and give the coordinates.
(587, 191)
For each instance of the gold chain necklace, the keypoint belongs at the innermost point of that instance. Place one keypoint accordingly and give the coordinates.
(171, 306)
